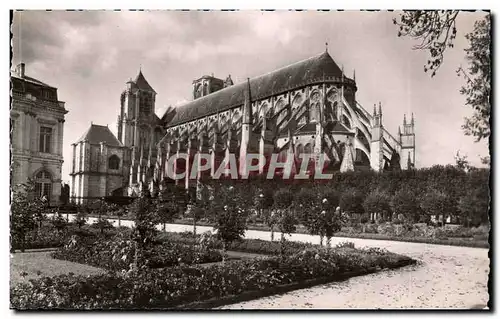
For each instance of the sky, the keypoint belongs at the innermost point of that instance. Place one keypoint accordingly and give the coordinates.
(90, 55)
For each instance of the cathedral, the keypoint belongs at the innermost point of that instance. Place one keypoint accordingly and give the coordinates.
(308, 107)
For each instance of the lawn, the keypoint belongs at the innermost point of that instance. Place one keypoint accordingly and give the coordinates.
(37, 264)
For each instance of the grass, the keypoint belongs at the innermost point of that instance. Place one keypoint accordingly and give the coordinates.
(37, 264)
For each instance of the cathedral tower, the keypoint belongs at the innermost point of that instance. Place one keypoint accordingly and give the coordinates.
(136, 123)
(377, 142)
(407, 138)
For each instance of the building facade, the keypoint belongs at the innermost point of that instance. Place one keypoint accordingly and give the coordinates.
(99, 167)
(308, 107)
(37, 130)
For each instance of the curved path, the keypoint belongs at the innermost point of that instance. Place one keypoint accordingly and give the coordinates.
(448, 277)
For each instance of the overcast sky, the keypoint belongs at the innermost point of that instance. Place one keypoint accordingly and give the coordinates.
(89, 56)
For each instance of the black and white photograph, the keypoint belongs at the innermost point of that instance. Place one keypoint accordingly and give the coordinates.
(250, 160)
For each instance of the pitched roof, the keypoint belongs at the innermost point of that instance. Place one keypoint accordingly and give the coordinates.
(30, 79)
(142, 84)
(272, 83)
(99, 133)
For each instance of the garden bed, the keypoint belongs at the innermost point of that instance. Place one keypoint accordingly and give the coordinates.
(117, 253)
(188, 287)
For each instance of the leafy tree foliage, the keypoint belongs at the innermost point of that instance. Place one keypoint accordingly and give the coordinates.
(436, 203)
(286, 221)
(144, 230)
(435, 30)
(168, 204)
(378, 201)
(405, 202)
(24, 208)
(474, 205)
(330, 218)
(229, 213)
(478, 80)
(305, 203)
(351, 201)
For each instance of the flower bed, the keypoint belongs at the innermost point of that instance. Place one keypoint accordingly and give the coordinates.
(118, 253)
(184, 285)
(256, 246)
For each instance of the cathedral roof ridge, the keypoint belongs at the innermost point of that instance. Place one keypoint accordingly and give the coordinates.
(275, 82)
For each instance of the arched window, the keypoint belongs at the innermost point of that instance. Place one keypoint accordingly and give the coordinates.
(43, 185)
(114, 162)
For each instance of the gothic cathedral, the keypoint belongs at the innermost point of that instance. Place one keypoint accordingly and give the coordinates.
(306, 107)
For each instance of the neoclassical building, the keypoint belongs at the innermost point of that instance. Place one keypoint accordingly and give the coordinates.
(37, 129)
(308, 107)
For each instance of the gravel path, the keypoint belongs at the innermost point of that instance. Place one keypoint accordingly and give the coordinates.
(448, 277)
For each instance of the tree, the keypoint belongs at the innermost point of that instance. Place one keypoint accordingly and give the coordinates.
(228, 214)
(264, 202)
(168, 205)
(478, 80)
(378, 201)
(436, 31)
(144, 230)
(23, 210)
(436, 203)
(305, 203)
(473, 205)
(330, 220)
(351, 202)
(405, 202)
(199, 198)
(462, 162)
(286, 221)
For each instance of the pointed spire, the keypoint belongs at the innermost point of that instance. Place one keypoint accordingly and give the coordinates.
(326, 47)
(404, 119)
(412, 119)
(354, 75)
(399, 130)
(380, 108)
(374, 109)
(247, 106)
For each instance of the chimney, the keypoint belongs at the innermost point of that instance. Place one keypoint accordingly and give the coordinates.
(21, 67)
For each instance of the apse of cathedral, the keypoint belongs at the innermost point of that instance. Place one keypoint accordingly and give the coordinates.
(308, 107)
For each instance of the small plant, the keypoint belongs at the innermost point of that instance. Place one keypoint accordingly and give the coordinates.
(102, 224)
(345, 244)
